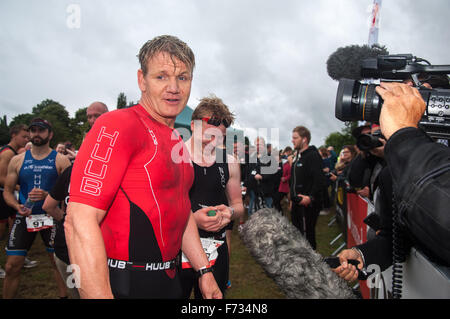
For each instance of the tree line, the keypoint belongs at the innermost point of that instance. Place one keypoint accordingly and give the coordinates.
(65, 128)
(73, 129)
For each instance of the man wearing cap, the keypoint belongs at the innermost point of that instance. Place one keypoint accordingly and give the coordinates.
(362, 165)
(35, 171)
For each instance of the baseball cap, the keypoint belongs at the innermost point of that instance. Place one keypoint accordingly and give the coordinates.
(357, 131)
(41, 123)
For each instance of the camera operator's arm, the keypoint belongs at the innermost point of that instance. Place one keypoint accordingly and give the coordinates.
(378, 250)
(420, 169)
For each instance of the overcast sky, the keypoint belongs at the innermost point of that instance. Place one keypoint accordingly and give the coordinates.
(266, 59)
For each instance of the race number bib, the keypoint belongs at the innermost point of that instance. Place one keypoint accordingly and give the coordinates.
(39, 222)
(210, 247)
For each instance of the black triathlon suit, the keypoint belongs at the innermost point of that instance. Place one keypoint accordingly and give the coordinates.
(208, 189)
(6, 211)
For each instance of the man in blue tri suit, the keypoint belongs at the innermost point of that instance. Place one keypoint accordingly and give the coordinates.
(35, 171)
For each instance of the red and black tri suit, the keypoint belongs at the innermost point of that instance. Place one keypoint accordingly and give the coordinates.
(139, 171)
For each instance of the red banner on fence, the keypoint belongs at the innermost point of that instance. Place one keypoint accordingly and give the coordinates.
(357, 210)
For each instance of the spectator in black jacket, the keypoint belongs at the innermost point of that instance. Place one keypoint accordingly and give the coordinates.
(362, 165)
(307, 184)
(261, 174)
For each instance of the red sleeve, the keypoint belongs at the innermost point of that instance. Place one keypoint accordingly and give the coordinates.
(287, 170)
(103, 160)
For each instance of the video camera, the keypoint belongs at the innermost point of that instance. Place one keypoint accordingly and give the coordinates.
(358, 100)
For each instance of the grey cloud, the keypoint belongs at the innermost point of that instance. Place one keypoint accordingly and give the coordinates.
(265, 59)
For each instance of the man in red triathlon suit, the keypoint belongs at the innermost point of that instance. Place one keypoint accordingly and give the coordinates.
(129, 214)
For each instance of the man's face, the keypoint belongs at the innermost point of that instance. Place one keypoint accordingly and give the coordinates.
(260, 146)
(165, 88)
(297, 141)
(208, 133)
(22, 138)
(39, 136)
(346, 155)
(93, 113)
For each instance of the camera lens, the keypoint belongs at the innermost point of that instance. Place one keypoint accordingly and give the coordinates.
(356, 101)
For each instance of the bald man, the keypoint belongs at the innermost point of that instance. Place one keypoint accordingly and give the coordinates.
(94, 111)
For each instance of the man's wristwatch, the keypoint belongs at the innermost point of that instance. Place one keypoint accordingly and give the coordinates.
(232, 211)
(204, 270)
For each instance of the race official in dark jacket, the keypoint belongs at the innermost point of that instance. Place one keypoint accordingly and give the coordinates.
(306, 185)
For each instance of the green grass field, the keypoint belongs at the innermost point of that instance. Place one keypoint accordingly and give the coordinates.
(248, 279)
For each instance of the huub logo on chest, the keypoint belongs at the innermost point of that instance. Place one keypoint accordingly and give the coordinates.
(97, 165)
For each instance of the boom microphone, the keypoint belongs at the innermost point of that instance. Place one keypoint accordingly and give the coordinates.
(287, 257)
(346, 62)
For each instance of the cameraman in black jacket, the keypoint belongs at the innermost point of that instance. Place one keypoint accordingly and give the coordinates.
(420, 170)
(306, 185)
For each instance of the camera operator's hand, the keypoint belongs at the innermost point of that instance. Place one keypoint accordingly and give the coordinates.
(347, 271)
(403, 107)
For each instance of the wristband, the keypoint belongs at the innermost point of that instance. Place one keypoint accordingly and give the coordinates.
(204, 270)
(360, 254)
(232, 212)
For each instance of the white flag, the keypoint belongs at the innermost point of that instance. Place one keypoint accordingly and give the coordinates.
(374, 22)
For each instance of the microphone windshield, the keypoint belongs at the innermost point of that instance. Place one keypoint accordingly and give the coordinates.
(346, 62)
